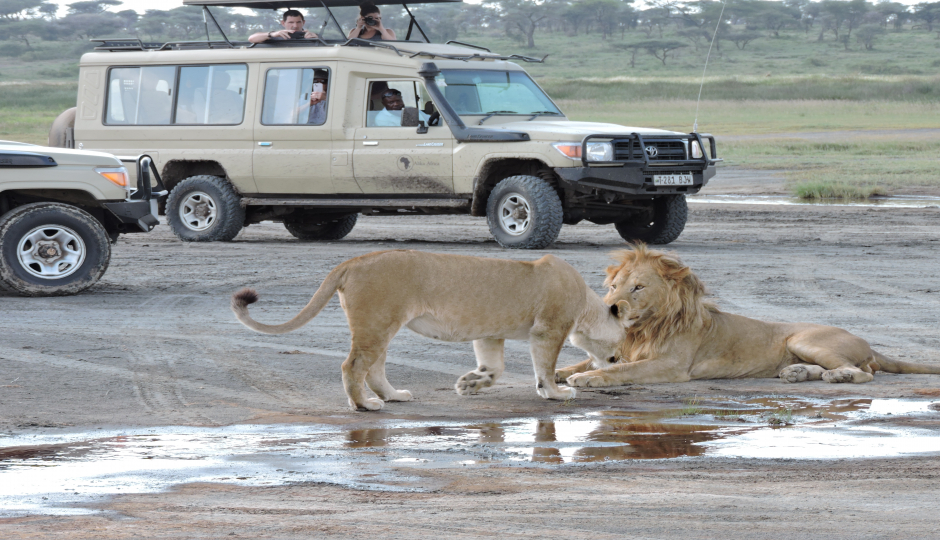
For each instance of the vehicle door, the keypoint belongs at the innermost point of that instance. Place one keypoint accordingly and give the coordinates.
(292, 134)
(390, 158)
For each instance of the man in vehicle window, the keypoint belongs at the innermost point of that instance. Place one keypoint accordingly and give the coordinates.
(317, 104)
(293, 23)
(390, 116)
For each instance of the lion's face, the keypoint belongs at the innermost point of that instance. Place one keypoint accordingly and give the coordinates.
(636, 291)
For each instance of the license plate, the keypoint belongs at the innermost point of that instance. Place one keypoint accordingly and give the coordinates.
(672, 179)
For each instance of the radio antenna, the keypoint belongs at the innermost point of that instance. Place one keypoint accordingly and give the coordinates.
(699, 100)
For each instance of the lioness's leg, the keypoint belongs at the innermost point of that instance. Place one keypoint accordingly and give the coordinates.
(490, 365)
(561, 375)
(839, 366)
(801, 372)
(379, 384)
(545, 347)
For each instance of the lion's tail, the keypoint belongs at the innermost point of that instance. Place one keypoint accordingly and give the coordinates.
(246, 296)
(897, 366)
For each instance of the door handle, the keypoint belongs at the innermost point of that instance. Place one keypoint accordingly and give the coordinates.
(370, 143)
(265, 144)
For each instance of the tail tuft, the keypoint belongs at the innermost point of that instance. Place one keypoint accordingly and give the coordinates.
(243, 298)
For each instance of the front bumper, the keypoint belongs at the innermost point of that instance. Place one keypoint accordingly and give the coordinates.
(136, 216)
(637, 160)
(628, 180)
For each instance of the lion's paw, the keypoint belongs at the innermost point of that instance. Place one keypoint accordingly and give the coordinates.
(586, 380)
(801, 372)
(846, 375)
(370, 404)
(564, 393)
(400, 395)
(561, 375)
(473, 382)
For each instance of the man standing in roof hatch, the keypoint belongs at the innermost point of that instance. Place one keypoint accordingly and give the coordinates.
(293, 23)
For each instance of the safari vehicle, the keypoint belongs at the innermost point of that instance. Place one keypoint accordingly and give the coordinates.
(233, 132)
(60, 210)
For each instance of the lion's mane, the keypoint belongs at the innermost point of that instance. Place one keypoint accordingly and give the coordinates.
(684, 307)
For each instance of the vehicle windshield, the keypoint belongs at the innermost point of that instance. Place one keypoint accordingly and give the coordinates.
(476, 92)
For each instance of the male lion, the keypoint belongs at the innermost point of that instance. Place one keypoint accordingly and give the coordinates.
(456, 298)
(675, 335)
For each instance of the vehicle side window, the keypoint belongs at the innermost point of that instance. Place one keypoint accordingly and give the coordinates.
(211, 94)
(204, 95)
(141, 95)
(295, 96)
(397, 103)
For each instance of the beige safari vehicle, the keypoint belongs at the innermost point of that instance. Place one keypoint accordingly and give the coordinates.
(313, 132)
(60, 210)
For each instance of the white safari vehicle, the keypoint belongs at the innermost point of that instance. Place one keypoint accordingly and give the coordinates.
(60, 210)
(314, 132)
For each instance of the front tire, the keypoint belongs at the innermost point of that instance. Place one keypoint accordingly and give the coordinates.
(51, 249)
(669, 215)
(524, 212)
(311, 228)
(205, 209)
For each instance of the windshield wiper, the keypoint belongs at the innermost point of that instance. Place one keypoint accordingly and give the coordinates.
(536, 114)
(491, 114)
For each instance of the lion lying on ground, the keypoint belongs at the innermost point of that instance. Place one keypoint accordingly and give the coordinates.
(675, 335)
(456, 298)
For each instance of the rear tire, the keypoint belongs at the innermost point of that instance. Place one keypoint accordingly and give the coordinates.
(205, 209)
(308, 228)
(51, 249)
(524, 212)
(670, 213)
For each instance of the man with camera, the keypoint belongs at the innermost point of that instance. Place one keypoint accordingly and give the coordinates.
(293, 23)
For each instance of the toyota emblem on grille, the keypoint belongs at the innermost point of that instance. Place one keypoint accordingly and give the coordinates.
(652, 151)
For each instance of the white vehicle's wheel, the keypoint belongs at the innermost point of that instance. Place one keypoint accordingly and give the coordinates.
(665, 223)
(524, 212)
(51, 249)
(205, 209)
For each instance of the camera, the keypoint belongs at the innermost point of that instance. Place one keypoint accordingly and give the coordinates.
(298, 35)
(370, 21)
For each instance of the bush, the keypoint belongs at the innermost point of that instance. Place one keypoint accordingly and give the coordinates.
(12, 49)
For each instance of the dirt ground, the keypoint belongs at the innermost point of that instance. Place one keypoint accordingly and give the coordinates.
(155, 344)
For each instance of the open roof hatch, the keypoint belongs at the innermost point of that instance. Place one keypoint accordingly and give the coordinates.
(327, 4)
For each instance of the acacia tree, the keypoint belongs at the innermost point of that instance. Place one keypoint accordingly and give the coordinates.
(660, 48)
(867, 34)
(928, 12)
(523, 16)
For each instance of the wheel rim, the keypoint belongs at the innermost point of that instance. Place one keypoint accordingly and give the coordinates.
(514, 214)
(51, 252)
(198, 211)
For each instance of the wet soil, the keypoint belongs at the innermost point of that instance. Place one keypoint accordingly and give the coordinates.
(155, 345)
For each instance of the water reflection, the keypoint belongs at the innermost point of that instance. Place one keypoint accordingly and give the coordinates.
(49, 473)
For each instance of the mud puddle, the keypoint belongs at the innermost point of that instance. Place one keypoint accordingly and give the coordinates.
(69, 474)
(881, 202)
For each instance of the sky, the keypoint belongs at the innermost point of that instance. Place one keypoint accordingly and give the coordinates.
(141, 6)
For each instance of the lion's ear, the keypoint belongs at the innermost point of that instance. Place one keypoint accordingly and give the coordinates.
(674, 269)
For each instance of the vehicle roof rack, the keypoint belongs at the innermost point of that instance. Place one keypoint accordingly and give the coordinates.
(285, 4)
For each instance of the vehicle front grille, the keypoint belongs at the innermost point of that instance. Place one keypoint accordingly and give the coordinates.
(664, 150)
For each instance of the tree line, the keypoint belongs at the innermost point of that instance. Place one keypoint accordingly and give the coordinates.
(659, 27)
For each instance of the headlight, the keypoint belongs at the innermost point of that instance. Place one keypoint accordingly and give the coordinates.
(570, 150)
(600, 151)
(118, 175)
(696, 150)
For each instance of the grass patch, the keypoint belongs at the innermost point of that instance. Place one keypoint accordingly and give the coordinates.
(834, 189)
(27, 110)
(781, 417)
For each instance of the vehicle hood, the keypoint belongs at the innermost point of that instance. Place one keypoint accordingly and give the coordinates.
(562, 130)
(63, 156)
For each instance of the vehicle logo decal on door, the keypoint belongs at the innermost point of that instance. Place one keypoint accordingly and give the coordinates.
(405, 163)
(431, 144)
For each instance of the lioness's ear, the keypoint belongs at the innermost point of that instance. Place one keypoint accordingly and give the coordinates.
(619, 309)
(615, 311)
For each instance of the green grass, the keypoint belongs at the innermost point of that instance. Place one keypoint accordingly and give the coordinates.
(27, 110)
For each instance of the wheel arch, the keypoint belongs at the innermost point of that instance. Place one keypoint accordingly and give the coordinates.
(14, 198)
(176, 170)
(497, 168)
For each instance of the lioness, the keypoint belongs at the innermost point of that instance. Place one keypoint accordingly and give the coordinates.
(675, 335)
(456, 298)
